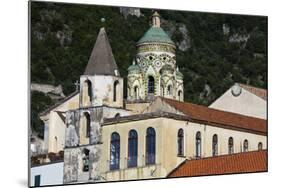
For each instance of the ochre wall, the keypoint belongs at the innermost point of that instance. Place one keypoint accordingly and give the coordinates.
(166, 145)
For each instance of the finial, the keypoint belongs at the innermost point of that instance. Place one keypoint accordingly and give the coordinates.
(134, 62)
(156, 19)
(102, 20)
(177, 68)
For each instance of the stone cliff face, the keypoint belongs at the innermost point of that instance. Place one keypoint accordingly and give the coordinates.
(130, 11)
(213, 50)
(54, 92)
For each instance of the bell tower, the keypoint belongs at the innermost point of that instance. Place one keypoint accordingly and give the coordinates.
(101, 83)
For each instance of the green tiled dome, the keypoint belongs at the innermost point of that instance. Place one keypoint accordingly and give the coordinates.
(134, 69)
(155, 34)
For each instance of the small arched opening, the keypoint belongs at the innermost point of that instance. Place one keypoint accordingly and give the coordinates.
(115, 89)
(150, 85)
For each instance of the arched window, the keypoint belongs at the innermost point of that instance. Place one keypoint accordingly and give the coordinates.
(86, 160)
(180, 95)
(245, 145)
(88, 124)
(230, 145)
(150, 146)
(133, 149)
(115, 85)
(114, 151)
(150, 84)
(169, 90)
(87, 92)
(136, 92)
(260, 146)
(117, 115)
(180, 142)
(215, 145)
(198, 144)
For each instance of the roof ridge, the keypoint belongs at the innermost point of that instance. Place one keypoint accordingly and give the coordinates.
(252, 86)
(218, 117)
(58, 103)
(213, 109)
(259, 92)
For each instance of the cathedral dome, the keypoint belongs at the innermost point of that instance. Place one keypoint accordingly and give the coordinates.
(134, 69)
(155, 35)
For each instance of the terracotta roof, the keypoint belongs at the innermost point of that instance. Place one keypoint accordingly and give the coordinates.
(102, 61)
(262, 93)
(219, 118)
(255, 161)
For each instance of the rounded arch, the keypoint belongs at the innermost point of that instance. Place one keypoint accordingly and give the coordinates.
(150, 145)
(117, 115)
(87, 92)
(198, 144)
(230, 145)
(132, 148)
(136, 92)
(215, 145)
(114, 151)
(150, 84)
(245, 145)
(85, 128)
(88, 124)
(180, 95)
(180, 142)
(260, 146)
(170, 90)
(115, 90)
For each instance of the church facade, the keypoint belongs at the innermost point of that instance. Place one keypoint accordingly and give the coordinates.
(148, 135)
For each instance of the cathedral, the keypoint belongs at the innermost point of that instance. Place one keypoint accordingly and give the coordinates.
(152, 133)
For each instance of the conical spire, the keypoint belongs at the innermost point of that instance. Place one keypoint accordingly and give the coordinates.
(102, 61)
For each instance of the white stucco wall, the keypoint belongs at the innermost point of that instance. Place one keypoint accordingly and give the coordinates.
(102, 90)
(55, 127)
(246, 103)
(51, 174)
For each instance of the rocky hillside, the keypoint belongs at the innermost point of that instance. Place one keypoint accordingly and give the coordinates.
(214, 50)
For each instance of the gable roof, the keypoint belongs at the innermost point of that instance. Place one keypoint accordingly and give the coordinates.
(101, 61)
(59, 103)
(145, 116)
(218, 117)
(262, 93)
(255, 161)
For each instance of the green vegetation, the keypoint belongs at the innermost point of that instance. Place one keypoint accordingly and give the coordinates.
(63, 35)
(39, 102)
